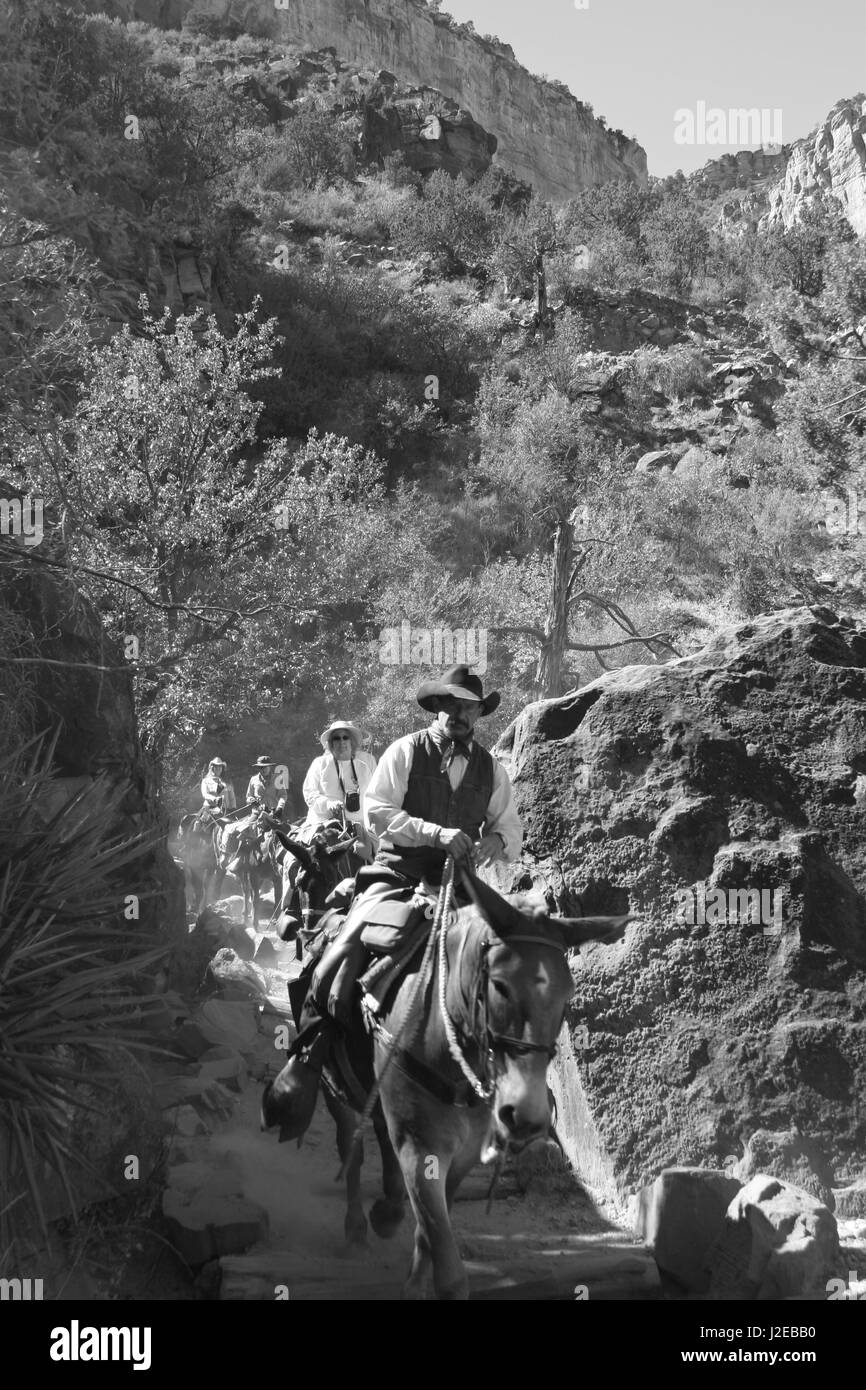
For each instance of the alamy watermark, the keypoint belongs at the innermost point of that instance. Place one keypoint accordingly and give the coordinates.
(22, 517)
(21, 1290)
(725, 906)
(737, 126)
(434, 646)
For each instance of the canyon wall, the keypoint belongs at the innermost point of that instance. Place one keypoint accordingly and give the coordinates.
(545, 135)
(831, 160)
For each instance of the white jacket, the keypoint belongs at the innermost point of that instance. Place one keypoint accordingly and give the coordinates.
(322, 784)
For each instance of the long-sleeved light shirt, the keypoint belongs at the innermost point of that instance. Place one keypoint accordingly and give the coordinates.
(214, 791)
(387, 790)
(322, 784)
(265, 793)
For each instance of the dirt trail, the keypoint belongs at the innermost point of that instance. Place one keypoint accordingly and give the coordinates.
(541, 1245)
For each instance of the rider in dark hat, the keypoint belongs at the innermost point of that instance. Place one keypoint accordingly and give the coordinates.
(435, 794)
(262, 790)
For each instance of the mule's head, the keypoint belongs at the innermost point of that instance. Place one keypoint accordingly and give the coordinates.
(525, 985)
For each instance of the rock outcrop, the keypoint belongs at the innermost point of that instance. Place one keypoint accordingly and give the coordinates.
(545, 136)
(831, 160)
(742, 169)
(716, 797)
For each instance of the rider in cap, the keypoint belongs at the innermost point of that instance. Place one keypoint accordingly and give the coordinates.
(436, 794)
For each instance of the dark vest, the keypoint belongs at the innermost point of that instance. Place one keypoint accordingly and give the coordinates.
(430, 797)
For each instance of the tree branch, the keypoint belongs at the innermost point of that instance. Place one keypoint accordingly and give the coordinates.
(628, 642)
(200, 614)
(533, 632)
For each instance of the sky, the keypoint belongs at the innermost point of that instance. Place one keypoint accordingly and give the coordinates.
(639, 63)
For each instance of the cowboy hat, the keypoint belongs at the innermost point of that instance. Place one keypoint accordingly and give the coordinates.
(352, 729)
(217, 762)
(460, 682)
(264, 761)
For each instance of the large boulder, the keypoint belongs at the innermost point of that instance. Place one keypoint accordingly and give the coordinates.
(715, 797)
(680, 1217)
(776, 1242)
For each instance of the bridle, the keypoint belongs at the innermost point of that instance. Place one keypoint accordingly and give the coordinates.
(483, 1087)
(459, 1036)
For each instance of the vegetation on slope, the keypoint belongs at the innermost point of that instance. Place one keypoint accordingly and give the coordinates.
(390, 401)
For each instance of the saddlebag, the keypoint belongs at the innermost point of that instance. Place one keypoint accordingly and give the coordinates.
(390, 924)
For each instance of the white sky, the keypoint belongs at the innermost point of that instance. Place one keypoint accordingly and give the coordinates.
(637, 62)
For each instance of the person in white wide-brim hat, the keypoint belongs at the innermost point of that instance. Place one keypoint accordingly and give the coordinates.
(335, 783)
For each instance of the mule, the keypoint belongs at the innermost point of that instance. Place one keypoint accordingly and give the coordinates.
(198, 838)
(460, 1058)
(315, 863)
(244, 845)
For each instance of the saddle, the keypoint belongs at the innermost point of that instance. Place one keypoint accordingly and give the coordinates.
(385, 924)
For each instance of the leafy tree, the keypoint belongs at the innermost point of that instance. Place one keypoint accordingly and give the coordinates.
(524, 242)
(844, 289)
(450, 219)
(539, 451)
(795, 256)
(315, 149)
(151, 472)
(677, 243)
(47, 293)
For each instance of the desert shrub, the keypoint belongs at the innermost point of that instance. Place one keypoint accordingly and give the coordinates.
(68, 964)
(559, 359)
(449, 219)
(733, 270)
(396, 172)
(618, 206)
(844, 288)
(677, 244)
(795, 256)
(615, 262)
(682, 371)
(814, 426)
(212, 26)
(314, 149)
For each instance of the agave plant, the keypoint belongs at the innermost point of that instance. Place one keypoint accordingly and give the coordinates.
(72, 976)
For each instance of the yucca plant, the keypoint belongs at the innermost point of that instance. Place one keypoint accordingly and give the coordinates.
(73, 978)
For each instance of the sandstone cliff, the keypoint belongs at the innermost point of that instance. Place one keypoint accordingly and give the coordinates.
(772, 189)
(545, 135)
(739, 768)
(831, 160)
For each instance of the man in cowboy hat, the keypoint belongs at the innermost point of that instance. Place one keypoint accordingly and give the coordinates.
(262, 791)
(436, 794)
(217, 792)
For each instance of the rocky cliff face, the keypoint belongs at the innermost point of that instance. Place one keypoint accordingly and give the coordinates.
(545, 136)
(739, 770)
(744, 169)
(832, 160)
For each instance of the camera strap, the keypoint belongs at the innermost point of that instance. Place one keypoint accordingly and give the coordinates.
(340, 776)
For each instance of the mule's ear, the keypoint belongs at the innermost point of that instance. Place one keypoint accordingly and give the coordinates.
(496, 910)
(579, 930)
(300, 852)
